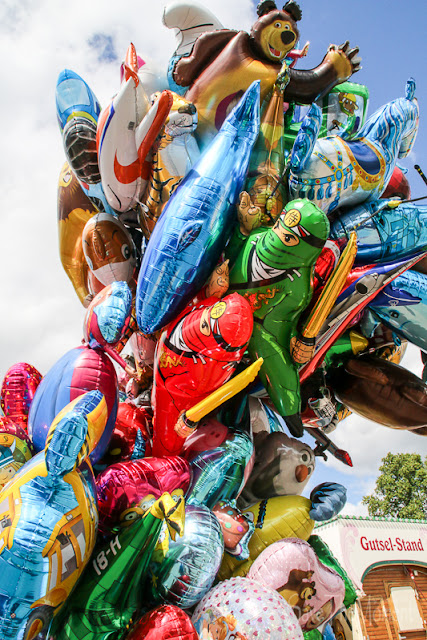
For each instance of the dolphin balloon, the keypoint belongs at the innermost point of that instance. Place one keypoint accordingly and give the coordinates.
(193, 228)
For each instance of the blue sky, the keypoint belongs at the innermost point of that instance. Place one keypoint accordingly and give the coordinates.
(41, 316)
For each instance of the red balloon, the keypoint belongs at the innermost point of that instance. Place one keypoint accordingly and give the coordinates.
(164, 623)
(209, 434)
(127, 489)
(398, 185)
(130, 419)
(17, 392)
(196, 354)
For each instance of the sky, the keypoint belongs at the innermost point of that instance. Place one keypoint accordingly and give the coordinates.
(41, 316)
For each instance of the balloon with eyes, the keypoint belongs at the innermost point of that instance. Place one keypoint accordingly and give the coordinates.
(283, 466)
(223, 63)
(273, 270)
(334, 172)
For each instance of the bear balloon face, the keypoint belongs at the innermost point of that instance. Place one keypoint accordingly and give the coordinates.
(275, 34)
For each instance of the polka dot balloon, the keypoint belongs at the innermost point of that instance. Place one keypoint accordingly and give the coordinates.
(242, 609)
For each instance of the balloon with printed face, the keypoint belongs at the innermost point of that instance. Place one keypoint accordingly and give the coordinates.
(166, 622)
(183, 570)
(245, 609)
(17, 392)
(15, 449)
(126, 490)
(196, 354)
(109, 249)
(291, 567)
(283, 466)
(49, 517)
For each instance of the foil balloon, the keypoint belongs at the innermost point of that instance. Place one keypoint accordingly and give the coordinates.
(127, 129)
(285, 517)
(209, 434)
(283, 466)
(219, 474)
(384, 232)
(189, 20)
(326, 557)
(267, 163)
(74, 211)
(224, 63)
(108, 315)
(291, 567)
(196, 354)
(272, 269)
(78, 110)
(111, 590)
(194, 227)
(398, 185)
(363, 284)
(130, 439)
(109, 249)
(166, 622)
(17, 392)
(15, 449)
(237, 529)
(78, 371)
(126, 490)
(49, 520)
(247, 610)
(401, 306)
(176, 152)
(334, 172)
(183, 570)
(383, 392)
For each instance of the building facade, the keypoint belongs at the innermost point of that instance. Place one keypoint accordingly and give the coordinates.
(386, 559)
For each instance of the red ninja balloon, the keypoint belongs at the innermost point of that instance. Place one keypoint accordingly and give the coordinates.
(126, 490)
(164, 623)
(196, 354)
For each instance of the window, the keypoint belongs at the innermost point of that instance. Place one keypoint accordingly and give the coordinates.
(406, 608)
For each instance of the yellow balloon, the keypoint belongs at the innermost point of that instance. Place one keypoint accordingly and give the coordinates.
(274, 519)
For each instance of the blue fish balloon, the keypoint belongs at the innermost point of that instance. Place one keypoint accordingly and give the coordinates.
(197, 220)
(402, 306)
(383, 233)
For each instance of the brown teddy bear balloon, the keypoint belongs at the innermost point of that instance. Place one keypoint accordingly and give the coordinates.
(224, 63)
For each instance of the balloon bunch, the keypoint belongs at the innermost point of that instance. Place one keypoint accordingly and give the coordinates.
(248, 275)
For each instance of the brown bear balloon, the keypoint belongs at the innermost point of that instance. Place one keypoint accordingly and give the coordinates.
(224, 63)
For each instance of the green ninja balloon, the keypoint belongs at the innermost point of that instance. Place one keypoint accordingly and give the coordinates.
(273, 271)
(110, 590)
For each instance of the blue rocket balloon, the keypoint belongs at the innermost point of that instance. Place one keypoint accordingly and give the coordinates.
(402, 306)
(196, 222)
(383, 233)
(49, 521)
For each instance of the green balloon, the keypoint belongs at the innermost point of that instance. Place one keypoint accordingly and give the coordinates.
(272, 269)
(109, 592)
(325, 556)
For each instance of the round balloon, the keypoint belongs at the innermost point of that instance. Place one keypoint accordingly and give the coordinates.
(164, 622)
(184, 569)
(247, 610)
(109, 249)
(314, 591)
